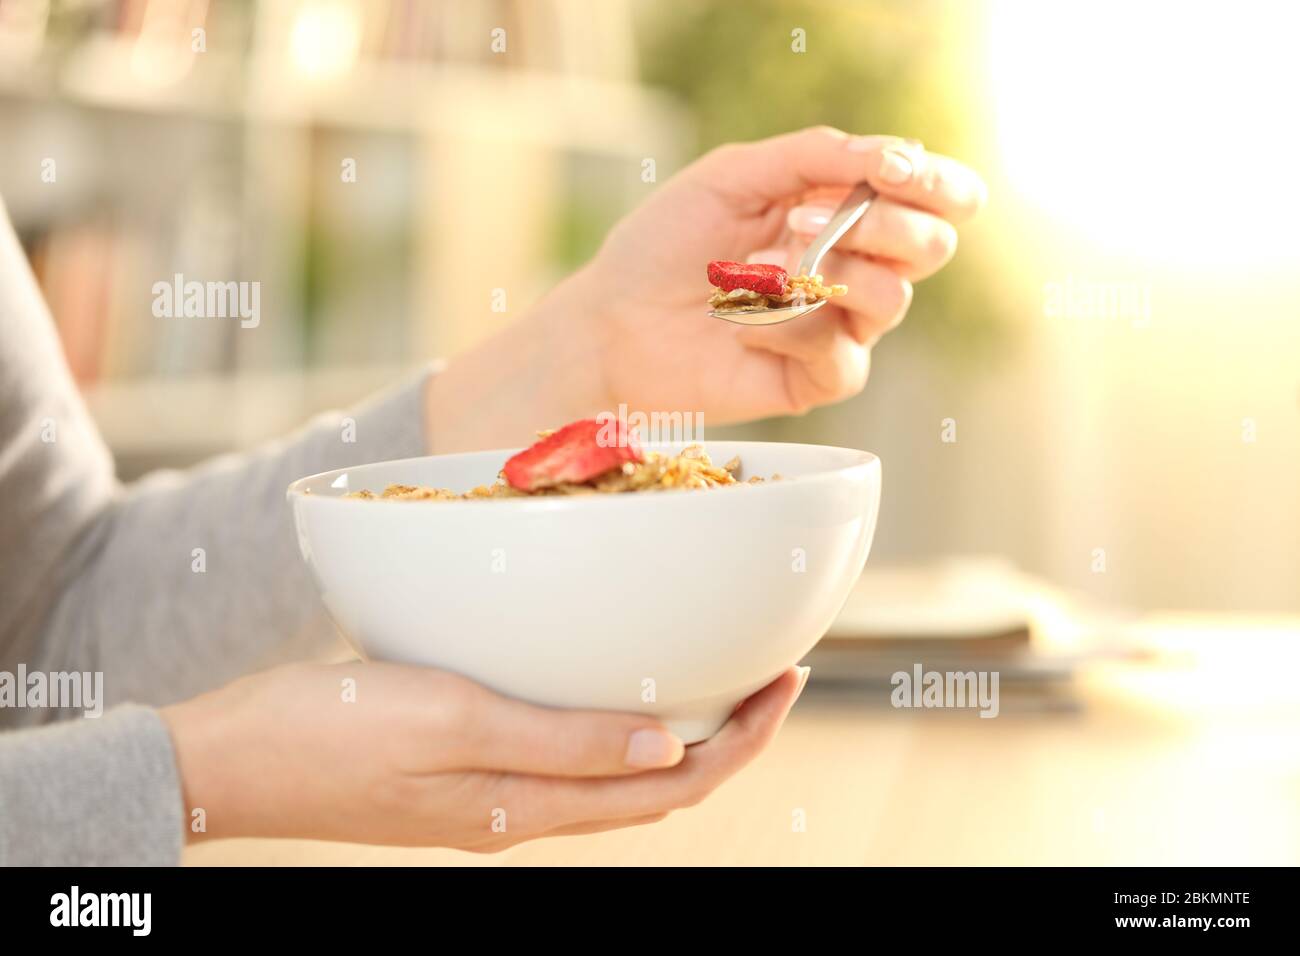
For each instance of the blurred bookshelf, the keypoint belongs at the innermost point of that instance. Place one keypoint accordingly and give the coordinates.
(219, 155)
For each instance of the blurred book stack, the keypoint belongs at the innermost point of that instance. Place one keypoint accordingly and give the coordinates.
(959, 616)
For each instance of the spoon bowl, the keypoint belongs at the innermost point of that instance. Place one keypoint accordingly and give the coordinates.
(855, 205)
(768, 316)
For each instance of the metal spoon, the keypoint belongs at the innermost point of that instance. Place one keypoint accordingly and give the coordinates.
(850, 211)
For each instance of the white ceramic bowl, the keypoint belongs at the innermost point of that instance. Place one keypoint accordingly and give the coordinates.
(678, 604)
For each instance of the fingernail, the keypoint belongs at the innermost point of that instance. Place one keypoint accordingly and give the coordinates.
(768, 257)
(809, 219)
(803, 680)
(895, 167)
(654, 748)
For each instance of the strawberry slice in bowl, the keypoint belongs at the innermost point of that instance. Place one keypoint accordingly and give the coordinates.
(576, 453)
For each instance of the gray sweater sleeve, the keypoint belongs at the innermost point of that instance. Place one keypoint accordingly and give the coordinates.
(91, 793)
(167, 587)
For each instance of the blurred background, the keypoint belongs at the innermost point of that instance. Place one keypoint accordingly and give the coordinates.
(1102, 389)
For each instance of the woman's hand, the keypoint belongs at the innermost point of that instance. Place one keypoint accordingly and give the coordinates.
(631, 327)
(381, 753)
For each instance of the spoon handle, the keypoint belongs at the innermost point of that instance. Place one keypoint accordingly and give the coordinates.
(850, 211)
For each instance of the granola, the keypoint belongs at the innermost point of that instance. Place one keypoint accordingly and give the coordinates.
(799, 290)
(692, 469)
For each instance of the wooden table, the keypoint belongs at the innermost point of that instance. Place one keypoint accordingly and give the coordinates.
(1193, 758)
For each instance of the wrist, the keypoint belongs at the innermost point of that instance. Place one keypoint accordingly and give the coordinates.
(207, 747)
(542, 371)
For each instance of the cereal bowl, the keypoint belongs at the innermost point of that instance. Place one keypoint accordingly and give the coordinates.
(674, 603)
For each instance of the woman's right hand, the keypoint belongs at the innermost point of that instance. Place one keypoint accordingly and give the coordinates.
(383, 753)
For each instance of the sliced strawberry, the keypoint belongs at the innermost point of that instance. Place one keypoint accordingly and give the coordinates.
(576, 453)
(768, 280)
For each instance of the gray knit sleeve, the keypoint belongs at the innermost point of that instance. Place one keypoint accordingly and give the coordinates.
(158, 590)
(91, 792)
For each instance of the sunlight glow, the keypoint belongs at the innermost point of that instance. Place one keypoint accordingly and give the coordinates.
(1164, 131)
(326, 38)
